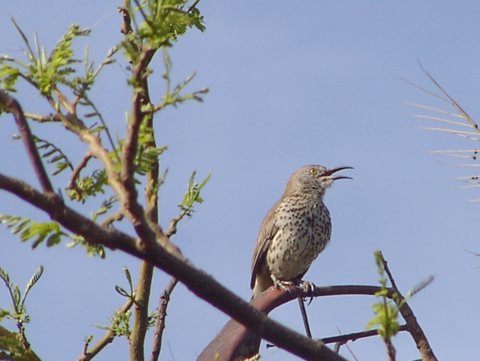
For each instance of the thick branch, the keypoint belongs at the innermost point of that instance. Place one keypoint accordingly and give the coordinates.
(140, 317)
(129, 151)
(12, 106)
(142, 294)
(197, 281)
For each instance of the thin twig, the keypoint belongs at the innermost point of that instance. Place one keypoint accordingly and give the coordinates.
(303, 311)
(76, 173)
(118, 216)
(342, 339)
(104, 123)
(172, 227)
(161, 318)
(339, 344)
(42, 118)
(195, 3)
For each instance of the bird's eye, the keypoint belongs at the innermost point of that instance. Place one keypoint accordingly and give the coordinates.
(313, 171)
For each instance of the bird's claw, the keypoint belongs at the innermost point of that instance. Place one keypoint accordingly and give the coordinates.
(306, 286)
(309, 288)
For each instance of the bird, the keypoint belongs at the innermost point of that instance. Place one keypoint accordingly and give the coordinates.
(295, 230)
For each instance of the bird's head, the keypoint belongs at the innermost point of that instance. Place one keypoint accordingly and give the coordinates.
(314, 178)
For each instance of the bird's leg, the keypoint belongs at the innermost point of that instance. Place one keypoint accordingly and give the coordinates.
(281, 284)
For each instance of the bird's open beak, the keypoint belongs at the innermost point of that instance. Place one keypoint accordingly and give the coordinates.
(330, 172)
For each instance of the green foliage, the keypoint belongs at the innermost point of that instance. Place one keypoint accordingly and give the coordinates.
(104, 208)
(385, 311)
(13, 345)
(162, 22)
(46, 72)
(48, 232)
(27, 229)
(119, 324)
(121, 291)
(147, 155)
(89, 186)
(18, 313)
(152, 25)
(13, 348)
(8, 75)
(53, 155)
(192, 195)
(90, 248)
(175, 96)
(120, 321)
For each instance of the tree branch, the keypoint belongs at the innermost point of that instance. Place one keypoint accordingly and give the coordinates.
(141, 99)
(12, 106)
(413, 326)
(161, 317)
(106, 339)
(140, 316)
(76, 173)
(236, 342)
(197, 281)
(342, 339)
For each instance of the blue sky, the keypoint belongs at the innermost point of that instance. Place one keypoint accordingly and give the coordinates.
(290, 84)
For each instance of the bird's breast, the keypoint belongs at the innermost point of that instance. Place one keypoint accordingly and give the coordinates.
(303, 231)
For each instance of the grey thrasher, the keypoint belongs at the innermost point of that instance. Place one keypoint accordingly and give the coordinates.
(294, 231)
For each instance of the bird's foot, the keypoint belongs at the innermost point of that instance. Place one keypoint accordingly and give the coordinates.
(281, 284)
(306, 286)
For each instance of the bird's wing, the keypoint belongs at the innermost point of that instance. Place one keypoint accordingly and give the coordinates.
(265, 236)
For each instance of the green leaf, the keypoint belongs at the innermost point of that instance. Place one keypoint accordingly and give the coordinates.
(121, 291)
(419, 287)
(89, 186)
(104, 207)
(53, 155)
(92, 249)
(27, 229)
(192, 195)
(5, 277)
(33, 280)
(8, 77)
